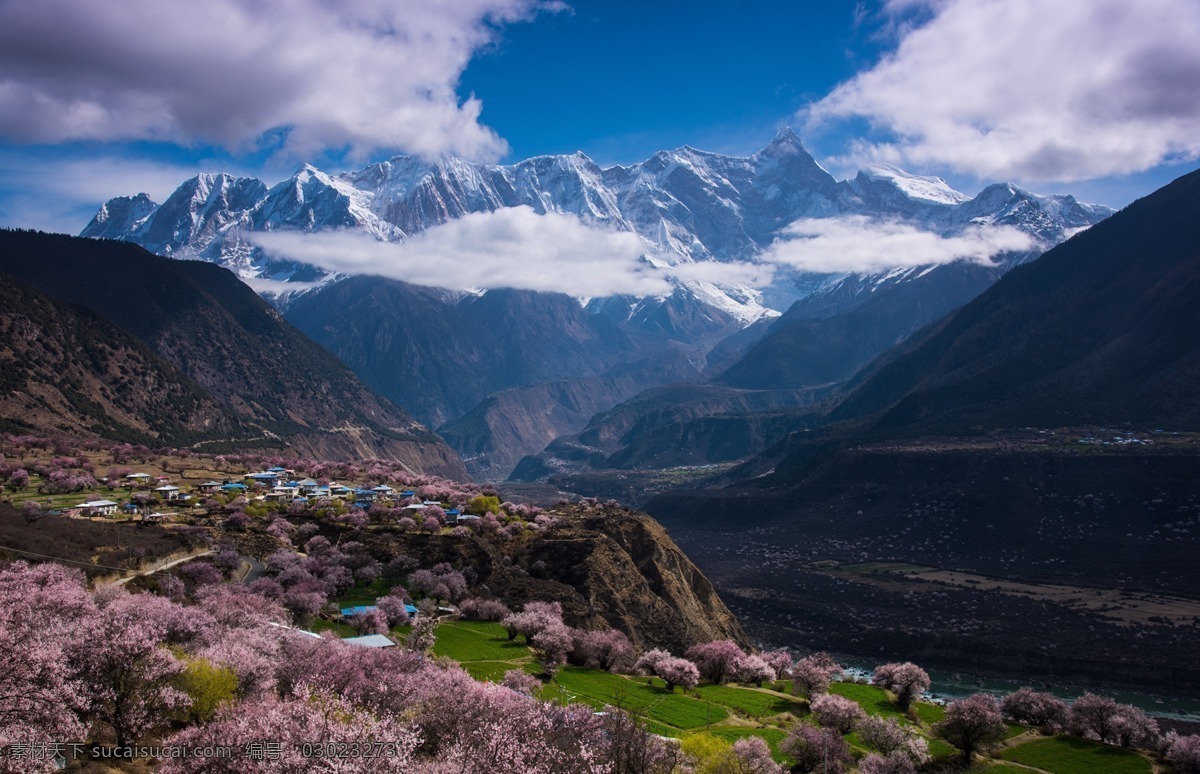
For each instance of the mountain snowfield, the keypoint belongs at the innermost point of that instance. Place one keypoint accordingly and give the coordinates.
(685, 205)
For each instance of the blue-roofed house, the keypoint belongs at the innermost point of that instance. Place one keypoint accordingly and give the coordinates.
(356, 609)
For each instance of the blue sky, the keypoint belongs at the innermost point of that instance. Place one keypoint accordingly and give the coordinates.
(621, 80)
(1100, 98)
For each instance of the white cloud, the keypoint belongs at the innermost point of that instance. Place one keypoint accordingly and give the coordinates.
(1027, 89)
(731, 274)
(511, 247)
(856, 243)
(366, 75)
(272, 287)
(62, 194)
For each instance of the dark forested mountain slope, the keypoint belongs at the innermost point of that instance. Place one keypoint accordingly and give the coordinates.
(806, 349)
(1101, 329)
(974, 457)
(206, 323)
(65, 370)
(506, 371)
(441, 354)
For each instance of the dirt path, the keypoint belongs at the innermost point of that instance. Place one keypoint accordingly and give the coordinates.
(160, 568)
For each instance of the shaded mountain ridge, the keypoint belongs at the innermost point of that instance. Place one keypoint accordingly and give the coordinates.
(234, 349)
(977, 486)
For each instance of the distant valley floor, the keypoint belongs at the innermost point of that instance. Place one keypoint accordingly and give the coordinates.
(1047, 560)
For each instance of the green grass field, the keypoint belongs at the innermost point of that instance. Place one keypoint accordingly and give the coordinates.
(340, 629)
(493, 671)
(485, 651)
(363, 595)
(1069, 755)
(749, 702)
(467, 641)
(670, 709)
(929, 713)
(873, 700)
(1014, 730)
(773, 737)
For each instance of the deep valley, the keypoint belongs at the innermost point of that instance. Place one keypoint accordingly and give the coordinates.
(1032, 556)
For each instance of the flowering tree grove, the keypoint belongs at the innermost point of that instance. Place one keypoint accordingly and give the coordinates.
(811, 675)
(837, 712)
(816, 749)
(907, 680)
(1036, 708)
(753, 669)
(677, 671)
(715, 659)
(971, 724)
(39, 694)
(1184, 754)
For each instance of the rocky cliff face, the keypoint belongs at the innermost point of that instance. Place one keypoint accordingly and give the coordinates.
(606, 565)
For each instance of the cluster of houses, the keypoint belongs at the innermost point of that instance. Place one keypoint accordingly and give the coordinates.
(366, 640)
(165, 489)
(275, 484)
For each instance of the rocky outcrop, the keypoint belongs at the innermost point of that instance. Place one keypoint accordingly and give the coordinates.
(608, 566)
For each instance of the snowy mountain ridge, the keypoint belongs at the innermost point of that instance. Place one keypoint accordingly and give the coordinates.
(686, 205)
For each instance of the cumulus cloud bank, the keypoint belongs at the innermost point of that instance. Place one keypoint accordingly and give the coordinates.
(364, 75)
(516, 247)
(1052, 91)
(513, 247)
(856, 243)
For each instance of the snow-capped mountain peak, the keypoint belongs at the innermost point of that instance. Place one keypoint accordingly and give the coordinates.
(686, 205)
(920, 187)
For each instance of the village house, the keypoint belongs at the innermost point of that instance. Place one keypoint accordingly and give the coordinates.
(97, 508)
(169, 492)
(370, 641)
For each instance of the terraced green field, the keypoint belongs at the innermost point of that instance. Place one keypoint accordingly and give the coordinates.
(736, 712)
(929, 713)
(750, 702)
(1069, 755)
(873, 700)
(670, 709)
(467, 641)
